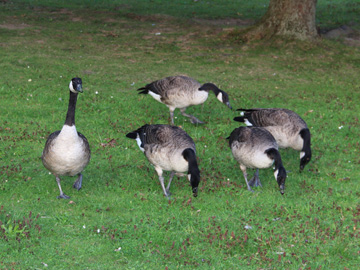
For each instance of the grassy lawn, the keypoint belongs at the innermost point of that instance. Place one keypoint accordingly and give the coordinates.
(120, 219)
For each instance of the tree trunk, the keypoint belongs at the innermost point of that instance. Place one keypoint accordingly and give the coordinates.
(289, 18)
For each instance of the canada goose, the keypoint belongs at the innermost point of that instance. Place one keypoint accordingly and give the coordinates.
(255, 147)
(182, 92)
(168, 148)
(288, 128)
(67, 151)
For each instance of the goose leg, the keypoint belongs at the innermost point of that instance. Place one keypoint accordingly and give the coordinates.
(62, 195)
(255, 181)
(168, 186)
(172, 115)
(193, 119)
(161, 179)
(243, 168)
(78, 182)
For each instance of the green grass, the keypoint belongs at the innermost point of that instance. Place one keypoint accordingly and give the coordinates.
(315, 225)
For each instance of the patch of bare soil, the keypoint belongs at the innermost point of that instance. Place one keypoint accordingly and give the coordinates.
(14, 26)
(350, 36)
(225, 22)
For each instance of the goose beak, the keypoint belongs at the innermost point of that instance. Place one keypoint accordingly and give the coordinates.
(282, 189)
(195, 191)
(79, 88)
(228, 104)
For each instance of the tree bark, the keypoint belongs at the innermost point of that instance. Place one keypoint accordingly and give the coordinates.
(287, 18)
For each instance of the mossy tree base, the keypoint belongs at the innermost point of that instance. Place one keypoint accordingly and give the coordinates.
(288, 18)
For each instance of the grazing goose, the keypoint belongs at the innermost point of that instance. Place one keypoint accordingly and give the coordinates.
(182, 92)
(255, 147)
(67, 151)
(288, 128)
(168, 148)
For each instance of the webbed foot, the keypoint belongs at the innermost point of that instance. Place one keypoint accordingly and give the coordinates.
(194, 120)
(63, 196)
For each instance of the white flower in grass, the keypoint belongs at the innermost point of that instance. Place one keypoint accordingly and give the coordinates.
(247, 227)
(29, 80)
(96, 92)
(341, 127)
(133, 84)
(98, 230)
(84, 227)
(117, 249)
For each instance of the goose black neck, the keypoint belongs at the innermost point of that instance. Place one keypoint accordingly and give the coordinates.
(305, 134)
(210, 87)
(194, 171)
(275, 155)
(70, 116)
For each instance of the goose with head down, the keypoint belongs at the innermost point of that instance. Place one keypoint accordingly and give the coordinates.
(287, 127)
(255, 147)
(169, 148)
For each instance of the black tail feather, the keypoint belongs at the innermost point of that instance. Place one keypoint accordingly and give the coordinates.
(131, 135)
(145, 90)
(239, 119)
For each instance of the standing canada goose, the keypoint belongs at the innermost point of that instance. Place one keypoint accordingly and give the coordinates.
(67, 151)
(168, 148)
(255, 147)
(288, 128)
(182, 92)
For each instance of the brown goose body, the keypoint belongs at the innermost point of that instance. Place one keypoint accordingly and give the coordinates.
(287, 127)
(182, 92)
(168, 148)
(255, 147)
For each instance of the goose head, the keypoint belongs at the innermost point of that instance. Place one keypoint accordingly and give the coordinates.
(305, 157)
(280, 176)
(75, 85)
(221, 95)
(194, 179)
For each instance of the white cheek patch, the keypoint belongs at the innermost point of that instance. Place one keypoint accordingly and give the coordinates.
(242, 113)
(220, 97)
(189, 177)
(71, 87)
(276, 174)
(247, 122)
(302, 154)
(139, 143)
(155, 96)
